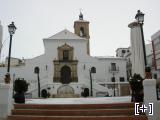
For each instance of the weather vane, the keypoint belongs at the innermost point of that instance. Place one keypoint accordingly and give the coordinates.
(81, 15)
(80, 10)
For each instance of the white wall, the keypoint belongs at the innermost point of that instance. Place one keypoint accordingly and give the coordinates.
(150, 96)
(5, 100)
(80, 53)
(1, 36)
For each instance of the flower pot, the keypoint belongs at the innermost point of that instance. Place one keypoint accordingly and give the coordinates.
(19, 98)
(7, 78)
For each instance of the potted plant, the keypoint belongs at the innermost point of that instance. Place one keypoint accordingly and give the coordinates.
(7, 78)
(136, 84)
(20, 87)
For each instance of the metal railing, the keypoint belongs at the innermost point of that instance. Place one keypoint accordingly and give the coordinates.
(115, 69)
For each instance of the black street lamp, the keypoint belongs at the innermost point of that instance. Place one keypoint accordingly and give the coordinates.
(37, 71)
(92, 70)
(140, 19)
(13, 84)
(114, 90)
(11, 28)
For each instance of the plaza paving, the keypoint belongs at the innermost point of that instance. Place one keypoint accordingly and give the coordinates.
(99, 100)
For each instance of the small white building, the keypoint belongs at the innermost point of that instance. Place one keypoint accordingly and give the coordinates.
(66, 67)
(14, 61)
(121, 52)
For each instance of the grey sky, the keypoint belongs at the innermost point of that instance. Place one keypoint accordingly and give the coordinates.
(38, 19)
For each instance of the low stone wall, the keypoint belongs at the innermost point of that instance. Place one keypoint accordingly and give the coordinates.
(5, 100)
(150, 96)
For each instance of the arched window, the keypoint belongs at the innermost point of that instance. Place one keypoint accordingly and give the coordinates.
(93, 70)
(65, 54)
(36, 70)
(81, 31)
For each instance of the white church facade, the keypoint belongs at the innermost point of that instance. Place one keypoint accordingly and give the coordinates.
(65, 67)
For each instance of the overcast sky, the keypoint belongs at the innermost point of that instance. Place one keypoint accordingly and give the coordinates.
(109, 19)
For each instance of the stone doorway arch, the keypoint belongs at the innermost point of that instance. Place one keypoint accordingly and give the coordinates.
(65, 74)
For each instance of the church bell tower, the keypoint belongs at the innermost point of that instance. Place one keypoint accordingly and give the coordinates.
(81, 28)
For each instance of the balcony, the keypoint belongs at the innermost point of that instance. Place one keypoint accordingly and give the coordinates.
(114, 69)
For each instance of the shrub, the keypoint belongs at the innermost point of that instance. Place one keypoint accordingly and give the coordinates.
(136, 83)
(20, 85)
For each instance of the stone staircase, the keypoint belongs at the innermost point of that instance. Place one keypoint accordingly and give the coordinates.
(114, 111)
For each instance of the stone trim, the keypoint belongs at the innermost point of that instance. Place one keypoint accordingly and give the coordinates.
(58, 64)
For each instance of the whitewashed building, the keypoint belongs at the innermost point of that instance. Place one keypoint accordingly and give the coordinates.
(156, 54)
(121, 52)
(65, 67)
(1, 33)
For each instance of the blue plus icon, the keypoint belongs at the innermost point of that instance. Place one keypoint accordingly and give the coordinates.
(143, 108)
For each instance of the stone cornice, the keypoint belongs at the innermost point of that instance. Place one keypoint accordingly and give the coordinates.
(133, 24)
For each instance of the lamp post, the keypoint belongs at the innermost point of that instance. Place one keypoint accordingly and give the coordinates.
(114, 90)
(140, 19)
(37, 71)
(13, 85)
(11, 28)
(92, 70)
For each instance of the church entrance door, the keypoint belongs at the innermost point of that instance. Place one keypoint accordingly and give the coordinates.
(65, 75)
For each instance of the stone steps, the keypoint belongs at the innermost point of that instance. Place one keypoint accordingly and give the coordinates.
(74, 106)
(88, 112)
(24, 117)
(114, 111)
